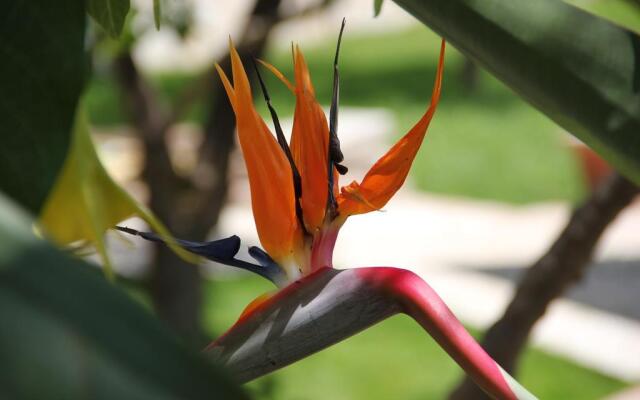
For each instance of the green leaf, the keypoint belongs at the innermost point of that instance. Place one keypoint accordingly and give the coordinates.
(622, 12)
(157, 13)
(110, 14)
(41, 75)
(377, 7)
(580, 70)
(67, 334)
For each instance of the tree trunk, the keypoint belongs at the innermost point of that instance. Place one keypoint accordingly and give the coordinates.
(563, 265)
(189, 207)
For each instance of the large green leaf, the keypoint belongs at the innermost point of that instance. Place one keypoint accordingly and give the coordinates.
(41, 76)
(580, 70)
(110, 14)
(67, 334)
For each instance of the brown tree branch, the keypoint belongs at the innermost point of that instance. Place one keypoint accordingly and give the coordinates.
(562, 266)
(189, 207)
(179, 303)
(146, 114)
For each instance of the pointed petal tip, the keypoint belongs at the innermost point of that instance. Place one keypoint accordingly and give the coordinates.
(437, 86)
(231, 94)
(272, 192)
(388, 174)
(278, 75)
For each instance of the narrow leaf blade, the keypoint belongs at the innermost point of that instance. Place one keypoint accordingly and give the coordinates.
(109, 14)
(377, 7)
(157, 13)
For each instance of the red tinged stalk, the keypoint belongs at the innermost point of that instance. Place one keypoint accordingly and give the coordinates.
(418, 300)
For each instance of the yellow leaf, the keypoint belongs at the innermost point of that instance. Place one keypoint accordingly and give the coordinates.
(85, 202)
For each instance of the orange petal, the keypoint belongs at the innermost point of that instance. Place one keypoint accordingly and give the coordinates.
(309, 147)
(303, 78)
(389, 173)
(278, 75)
(227, 86)
(272, 194)
(255, 304)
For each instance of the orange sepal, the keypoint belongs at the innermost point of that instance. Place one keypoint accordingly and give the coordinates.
(389, 173)
(310, 146)
(278, 75)
(255, 304)
(270, 176)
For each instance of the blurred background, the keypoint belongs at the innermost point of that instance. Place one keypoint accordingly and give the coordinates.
(490, 191)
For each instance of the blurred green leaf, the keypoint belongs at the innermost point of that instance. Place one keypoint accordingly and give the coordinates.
(622, 12)
(377, 7)
(41, 76)
(157, 13)
(68, 334)
(580, 70)
(110, 14)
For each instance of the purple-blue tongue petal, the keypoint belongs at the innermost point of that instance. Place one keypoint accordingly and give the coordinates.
(222, 251)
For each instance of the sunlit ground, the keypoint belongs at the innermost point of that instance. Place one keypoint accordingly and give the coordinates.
(394, 360)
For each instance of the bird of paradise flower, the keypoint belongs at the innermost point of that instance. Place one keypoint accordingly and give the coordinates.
(298, 210)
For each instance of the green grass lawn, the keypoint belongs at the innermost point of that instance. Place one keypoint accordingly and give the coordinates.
(487, 144)
(393, 360)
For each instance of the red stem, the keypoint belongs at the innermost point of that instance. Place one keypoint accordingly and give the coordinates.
(421, 302)
(322, 250)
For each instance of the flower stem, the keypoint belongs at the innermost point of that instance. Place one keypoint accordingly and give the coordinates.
(418, 300)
